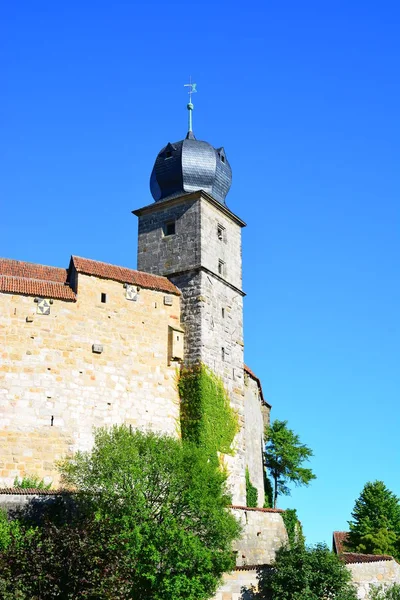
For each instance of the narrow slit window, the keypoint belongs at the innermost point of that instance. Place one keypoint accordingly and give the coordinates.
(223, 353)
(169, 228)
(221, 267)
(104, 298)
(223, 313)
(220, 232)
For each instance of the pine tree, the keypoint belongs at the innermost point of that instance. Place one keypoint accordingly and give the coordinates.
(375, 524)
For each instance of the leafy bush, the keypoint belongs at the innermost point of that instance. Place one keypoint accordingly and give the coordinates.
(151, 522)
(31, 482)
(382, 592)
(301, 573)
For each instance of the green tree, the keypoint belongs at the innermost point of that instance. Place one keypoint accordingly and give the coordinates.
(151, 521)
(375, 524)
(284, 455)
(302, 573)
(382, 592)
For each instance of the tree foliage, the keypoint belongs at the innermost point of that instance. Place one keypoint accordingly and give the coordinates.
(381, 592)
(375, 524)
(151, 521)
(284, 455)
(302, 573)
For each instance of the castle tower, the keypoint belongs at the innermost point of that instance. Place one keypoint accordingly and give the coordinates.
(189, 235)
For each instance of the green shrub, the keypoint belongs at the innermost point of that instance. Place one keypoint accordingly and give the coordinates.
(31, 482)
(251, 491)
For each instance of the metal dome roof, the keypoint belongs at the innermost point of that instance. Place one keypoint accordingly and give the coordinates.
(188, 166)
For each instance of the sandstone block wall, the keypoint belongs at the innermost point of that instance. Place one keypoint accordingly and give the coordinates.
(263, 533)
(365, 575)
(254, 436)
(54, 389)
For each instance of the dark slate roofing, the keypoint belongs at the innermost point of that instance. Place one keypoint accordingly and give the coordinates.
(190, 165)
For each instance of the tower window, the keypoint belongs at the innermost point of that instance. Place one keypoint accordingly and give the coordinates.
(221, 267)
(223, 313)
(169, 228)
(168, 154)
(104, 298)
(220, 232)
(223, 353)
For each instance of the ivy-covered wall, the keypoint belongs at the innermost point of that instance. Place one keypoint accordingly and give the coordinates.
(207, 418)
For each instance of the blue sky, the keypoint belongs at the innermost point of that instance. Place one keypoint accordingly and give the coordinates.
(305, 97)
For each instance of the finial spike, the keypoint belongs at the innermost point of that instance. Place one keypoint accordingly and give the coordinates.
(192, 89)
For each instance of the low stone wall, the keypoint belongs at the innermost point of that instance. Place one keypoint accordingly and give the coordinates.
(367, 574)
(238, 585)
(263, 533)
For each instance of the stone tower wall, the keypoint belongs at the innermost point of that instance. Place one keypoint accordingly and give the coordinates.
(212, 302)
(48, 369)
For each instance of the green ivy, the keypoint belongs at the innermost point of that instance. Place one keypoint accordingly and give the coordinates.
(268, 492)
(293, 527)
(207, 418)
(251, 492)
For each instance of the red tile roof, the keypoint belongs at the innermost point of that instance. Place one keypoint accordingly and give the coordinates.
(29, 279)
(254, 376)
(352, 558)
(124, 275)
(34, 287)
(339, 538)
(18, 268)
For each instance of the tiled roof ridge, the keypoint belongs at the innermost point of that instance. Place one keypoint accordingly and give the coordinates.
(257, 379)
(42, 288)
(254, 508)
(29, 263)
(97, 268)
(10, 267)
(36, 279)
(18, 491)
(358, 557)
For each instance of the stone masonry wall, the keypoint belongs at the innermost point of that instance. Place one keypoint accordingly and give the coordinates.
(254, 436)
(263, 533)
(212, 304)
(54, 389)
(226, 247)
(365, 575)
(166, 254)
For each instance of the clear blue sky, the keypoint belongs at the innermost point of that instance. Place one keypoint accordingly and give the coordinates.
(305, 97)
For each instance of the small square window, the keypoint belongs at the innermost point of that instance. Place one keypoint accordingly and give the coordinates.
(104, 298)
(169, 228)
(221, 267)
(168, 154)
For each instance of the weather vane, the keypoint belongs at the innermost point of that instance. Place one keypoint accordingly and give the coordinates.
(192, 90)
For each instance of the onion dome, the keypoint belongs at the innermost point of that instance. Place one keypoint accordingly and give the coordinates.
(188, 166)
